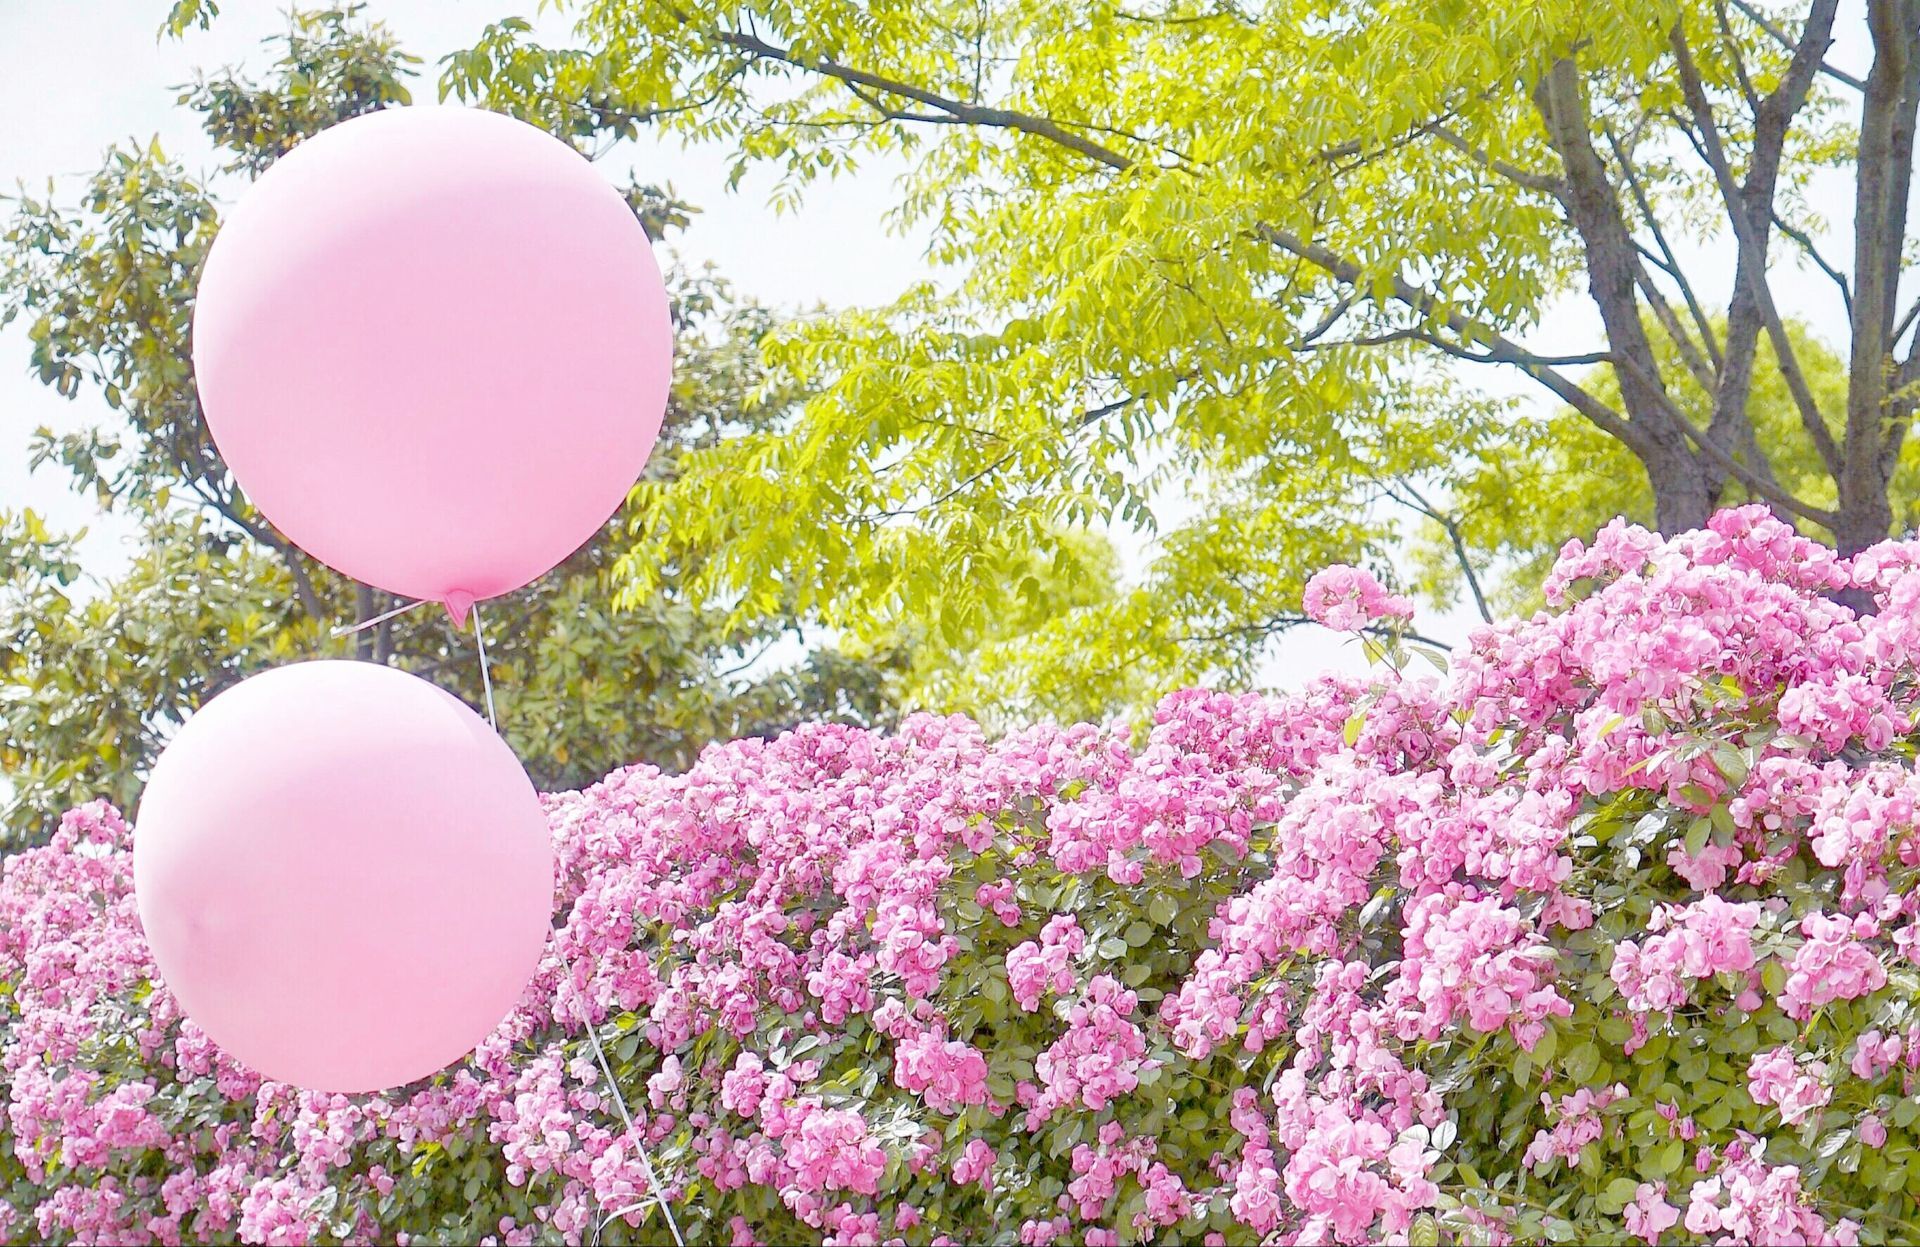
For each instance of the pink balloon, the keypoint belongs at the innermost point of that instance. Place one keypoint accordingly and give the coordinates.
(344, 874)
(434, 347)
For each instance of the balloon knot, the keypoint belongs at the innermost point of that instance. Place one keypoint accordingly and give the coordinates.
(459, 604)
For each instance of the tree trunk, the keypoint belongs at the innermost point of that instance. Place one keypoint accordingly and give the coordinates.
(1865, 521)
(1683, 491)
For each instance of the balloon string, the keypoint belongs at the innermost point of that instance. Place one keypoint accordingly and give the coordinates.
(376, 621)
(486, 677)
(593, 1033)
(626, 1118)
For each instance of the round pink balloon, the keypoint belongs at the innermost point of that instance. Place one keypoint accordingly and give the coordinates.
(344, 874)
(434, 347)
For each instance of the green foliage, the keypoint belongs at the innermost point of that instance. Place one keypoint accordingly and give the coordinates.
(1204, 258)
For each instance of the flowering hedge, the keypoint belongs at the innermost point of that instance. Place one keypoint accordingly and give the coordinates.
(1608, 934)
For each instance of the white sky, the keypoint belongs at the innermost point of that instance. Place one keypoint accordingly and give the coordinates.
(77, 77)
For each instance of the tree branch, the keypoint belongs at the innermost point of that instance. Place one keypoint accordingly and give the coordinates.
(1750, 212)
(1452, 528)
(1906, 323)
(1500, 349)
(1615, 276)
(1780, 37)
(1086, 418)
(1812, 252)
(1526, 178)
(302, 579)
(970, 114)
(1281, 622)
(1516, 355)
(1672, 266)
(1760, 480)
(1733, 57)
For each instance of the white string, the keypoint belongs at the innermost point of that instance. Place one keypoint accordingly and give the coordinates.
(626, 1119)
(593, 1034)
(364, 624)
(486, 678)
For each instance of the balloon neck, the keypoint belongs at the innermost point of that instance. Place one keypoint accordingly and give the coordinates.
(459, 605)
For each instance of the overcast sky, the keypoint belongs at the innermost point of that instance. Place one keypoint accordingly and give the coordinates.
(77, 77)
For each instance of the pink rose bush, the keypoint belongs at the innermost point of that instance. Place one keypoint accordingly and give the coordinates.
(1608, 934)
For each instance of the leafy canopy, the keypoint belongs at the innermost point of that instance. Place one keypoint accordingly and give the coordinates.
(1224, 274)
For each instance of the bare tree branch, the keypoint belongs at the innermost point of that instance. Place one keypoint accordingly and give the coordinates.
(1732, 46)
(1812, 252)
(1759, 478)
(960, 111)
(1515, 355)
(1672, 266)
(1500, 349)
(1615, 275)
(1750, 212)
(1780, 37)
(1327, 322)
(1451, 526)
(1906, 322)
(1281, 622)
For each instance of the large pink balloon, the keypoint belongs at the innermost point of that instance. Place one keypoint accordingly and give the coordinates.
(434, 347)
(344, 874)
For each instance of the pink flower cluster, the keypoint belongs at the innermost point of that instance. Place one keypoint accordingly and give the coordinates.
(1775, 1078)
(1576, 1122)
(1749, 1201)
(1251, 977)
(1833, 964)
(1037, 965)
(1478, 959)
(1695, 941)
(1099, 1059)
(1347, 598)
(947, 1074)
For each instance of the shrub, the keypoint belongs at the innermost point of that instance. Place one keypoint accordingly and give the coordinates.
(1608, 934)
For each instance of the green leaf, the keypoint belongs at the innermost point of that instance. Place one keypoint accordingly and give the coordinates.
(1581, 1063)
(1666, 1158)
(1617, 1195)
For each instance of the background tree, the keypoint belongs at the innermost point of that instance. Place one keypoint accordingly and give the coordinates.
(1522, 498)
(1223, 272)
(94, 676)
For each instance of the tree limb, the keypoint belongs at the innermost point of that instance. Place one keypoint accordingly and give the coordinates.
(970, 114)
(1452, 528)
(1615, 276)
(1672, 266)
(1780, 37)
(1526, 178)
(1812, 252)
(1500, 349)
(1750, 212)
